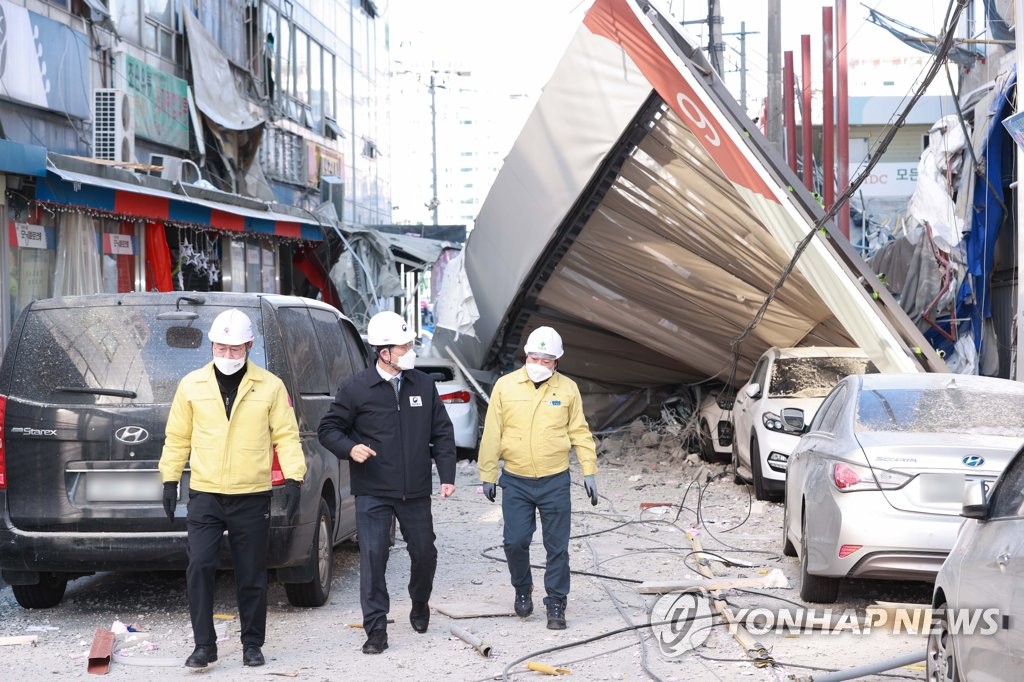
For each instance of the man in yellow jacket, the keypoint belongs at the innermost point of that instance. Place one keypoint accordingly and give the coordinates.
(535, 416)
(226, 420)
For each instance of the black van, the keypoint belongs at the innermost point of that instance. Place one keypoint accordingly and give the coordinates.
(85, 388)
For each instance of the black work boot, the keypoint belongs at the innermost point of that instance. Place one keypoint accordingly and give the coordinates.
(202, 656)
(419, 616)
(252, 656)
(524, 602)
(556, 613)
(376, 642)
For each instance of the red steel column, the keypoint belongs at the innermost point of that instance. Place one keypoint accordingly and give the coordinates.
(789, 107)
(806, 126)
(828, 123)
(843, 117)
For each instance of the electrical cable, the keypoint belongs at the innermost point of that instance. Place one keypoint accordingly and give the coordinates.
(604, 635)
(873, 160)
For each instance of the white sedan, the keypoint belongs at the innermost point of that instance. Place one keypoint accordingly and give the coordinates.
(874, 486)
(459, 400)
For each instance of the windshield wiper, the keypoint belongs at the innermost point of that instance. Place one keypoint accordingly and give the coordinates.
(117, 392)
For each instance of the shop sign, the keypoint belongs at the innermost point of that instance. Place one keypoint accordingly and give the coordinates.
(161, 103)
(30, 236)
(118, 244)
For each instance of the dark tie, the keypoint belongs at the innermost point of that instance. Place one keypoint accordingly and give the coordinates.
(394, 381)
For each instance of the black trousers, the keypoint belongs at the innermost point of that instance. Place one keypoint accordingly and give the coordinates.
(246, 518)
(373, 524)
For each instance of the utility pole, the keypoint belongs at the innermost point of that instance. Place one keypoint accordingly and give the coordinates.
(716, 48)
(743, 33)
(774, 109)
(434, 202)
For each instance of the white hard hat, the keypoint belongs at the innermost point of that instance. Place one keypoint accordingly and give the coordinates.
(544, 340)
(232, 327)
(388, 329)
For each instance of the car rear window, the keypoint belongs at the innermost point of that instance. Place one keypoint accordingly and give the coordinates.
(439, 372)
(941, 410)
(65, 354)
(813, 377)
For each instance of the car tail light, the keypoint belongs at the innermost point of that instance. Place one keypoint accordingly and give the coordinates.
(3, 445)
(276, 475)
(456, 398)
(847, 550)
(845, 476)
(851, 477)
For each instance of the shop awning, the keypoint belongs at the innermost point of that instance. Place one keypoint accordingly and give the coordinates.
(137, 201)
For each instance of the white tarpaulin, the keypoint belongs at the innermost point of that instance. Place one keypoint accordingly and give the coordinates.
(215, 91)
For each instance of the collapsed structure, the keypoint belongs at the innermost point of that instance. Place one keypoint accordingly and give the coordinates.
(642, 214)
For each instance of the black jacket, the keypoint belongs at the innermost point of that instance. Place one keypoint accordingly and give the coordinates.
(400, 432)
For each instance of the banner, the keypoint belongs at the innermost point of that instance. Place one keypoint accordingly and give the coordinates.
(43, 62)
(161, 103)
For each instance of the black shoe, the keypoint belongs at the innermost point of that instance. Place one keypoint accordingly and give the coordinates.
(376, 642)
(202, 656)
(252, 656)
(524, 604)
(419, 617)
(556, 616)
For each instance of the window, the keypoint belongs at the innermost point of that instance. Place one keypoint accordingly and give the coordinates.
(1008, 498)
(120, 347)
(833, 410)
(302, 67)
(331, 333)
(303, 350)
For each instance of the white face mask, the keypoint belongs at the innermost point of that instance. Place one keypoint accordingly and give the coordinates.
(407, 361)
(538, 373)
(229, 365)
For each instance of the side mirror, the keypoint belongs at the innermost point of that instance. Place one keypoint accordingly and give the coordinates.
(975, 500)
(793, 418)
(752, 390)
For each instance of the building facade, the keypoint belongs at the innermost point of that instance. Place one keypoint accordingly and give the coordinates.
(185, 144)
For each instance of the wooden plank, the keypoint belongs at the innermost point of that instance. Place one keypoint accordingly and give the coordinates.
(710, 584)
(19, 639)
(473, 609)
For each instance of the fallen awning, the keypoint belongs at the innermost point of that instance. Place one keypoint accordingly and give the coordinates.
(138, 201)
(642, 214)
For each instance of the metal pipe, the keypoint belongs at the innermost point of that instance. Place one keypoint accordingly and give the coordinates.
(843, 116)
(828, 131)
(806, 125)
(789, 109)
(871, 668)
(471, 639)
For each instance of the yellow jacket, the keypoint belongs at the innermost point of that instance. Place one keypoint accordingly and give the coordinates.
(532, 428)
(231, 457)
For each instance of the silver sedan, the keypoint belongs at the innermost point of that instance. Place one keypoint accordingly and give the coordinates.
(874, 486)
(978, 600)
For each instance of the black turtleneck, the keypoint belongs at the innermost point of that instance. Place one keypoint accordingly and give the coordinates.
(229, 386)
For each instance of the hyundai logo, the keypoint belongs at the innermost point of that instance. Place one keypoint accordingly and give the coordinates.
(132, 435)
(973, 461)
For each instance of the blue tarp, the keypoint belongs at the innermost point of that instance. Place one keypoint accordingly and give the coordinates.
(973, 299)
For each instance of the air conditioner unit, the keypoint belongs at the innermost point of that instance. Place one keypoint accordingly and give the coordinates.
(170, 166)
(113, 125)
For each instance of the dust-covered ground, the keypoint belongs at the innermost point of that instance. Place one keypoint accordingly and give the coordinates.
(651, 493)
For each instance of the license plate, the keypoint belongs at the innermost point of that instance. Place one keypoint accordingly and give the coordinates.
(123, 486)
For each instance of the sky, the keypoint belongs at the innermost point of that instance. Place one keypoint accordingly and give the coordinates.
(518, 43)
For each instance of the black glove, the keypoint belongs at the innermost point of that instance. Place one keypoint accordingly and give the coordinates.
(292, 493)
(590, 485)
(170, 498)
(490, 491)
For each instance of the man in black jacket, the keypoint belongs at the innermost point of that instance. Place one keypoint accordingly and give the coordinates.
(385, 421)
